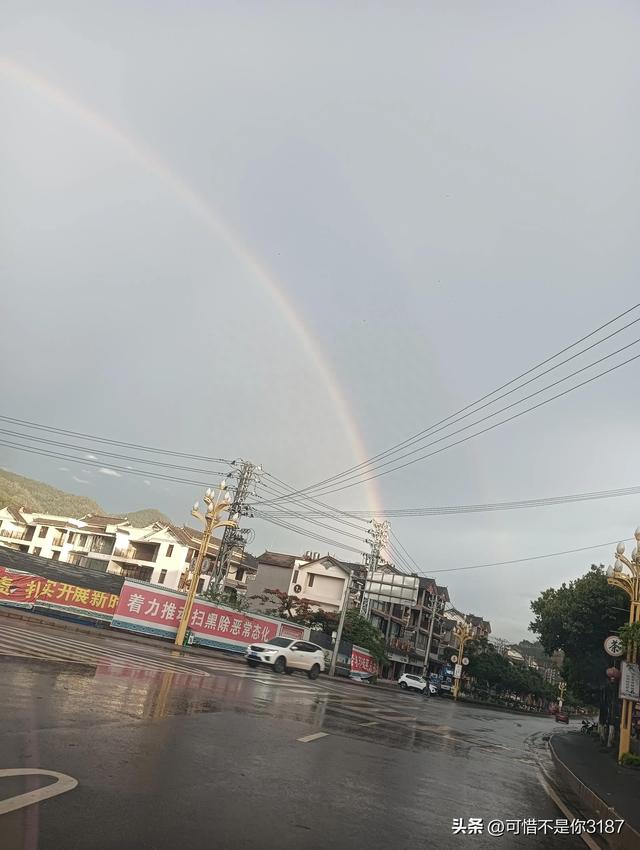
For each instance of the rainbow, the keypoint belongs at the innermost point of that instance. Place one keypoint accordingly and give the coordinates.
(202, 209)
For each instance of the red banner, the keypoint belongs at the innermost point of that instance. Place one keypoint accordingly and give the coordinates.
(361, 660)
(32, 589)
(158, 611)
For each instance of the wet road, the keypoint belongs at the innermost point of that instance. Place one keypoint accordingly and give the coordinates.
(202, 752)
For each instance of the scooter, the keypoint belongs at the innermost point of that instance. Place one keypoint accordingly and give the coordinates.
(588, 727)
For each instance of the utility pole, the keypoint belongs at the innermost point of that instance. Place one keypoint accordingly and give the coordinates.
(377, 537)
(234, 538)
(343, 614)
(434, 606)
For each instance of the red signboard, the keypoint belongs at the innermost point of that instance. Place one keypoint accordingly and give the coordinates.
(159, 611)
(361, 660)
(291, 631)
(32, 589)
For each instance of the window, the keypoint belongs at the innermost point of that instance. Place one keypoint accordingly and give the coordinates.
(43, 531)
(200, 585)
(169, 551)
(310, 582)
(295, 576)
(37, 551)
(240, 574)
(163, 575)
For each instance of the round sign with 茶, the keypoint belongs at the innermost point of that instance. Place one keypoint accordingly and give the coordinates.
(613, 646)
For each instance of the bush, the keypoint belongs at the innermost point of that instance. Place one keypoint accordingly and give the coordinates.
(629, 760)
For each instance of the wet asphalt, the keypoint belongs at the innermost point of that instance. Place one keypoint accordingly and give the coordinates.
(199, 752)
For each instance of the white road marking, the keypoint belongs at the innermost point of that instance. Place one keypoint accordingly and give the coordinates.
(308, 738)
(369, 723)
(57, 648)
(64, 783)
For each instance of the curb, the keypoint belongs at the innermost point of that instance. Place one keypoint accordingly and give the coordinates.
(595, 807)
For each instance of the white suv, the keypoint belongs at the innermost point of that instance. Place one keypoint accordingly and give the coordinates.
(416, 683)
(285, 655)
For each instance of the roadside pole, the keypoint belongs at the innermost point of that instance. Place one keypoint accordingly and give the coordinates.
(425, 671)
(343, 614)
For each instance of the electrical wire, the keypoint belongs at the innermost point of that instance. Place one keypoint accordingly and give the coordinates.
(122, 469)
(526, 560)
(141, 447)
(304, 533)
(418, 437)
(483, 430)
(93, 450)
(444, 510)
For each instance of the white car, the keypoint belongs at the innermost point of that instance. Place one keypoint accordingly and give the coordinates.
(285, 655)
(409, 681)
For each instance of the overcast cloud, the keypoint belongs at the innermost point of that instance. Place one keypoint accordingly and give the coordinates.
(445, 194)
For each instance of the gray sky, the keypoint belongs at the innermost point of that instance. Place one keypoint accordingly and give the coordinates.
(442, 193)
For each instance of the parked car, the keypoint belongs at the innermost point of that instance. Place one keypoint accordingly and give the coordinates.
(360, 676)
(409, 681)
(284, 655)
(562, 718)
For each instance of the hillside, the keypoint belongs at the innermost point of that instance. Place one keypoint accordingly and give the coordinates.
(146, 516)
(36, 497)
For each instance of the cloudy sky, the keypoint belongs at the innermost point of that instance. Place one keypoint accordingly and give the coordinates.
(300, 233)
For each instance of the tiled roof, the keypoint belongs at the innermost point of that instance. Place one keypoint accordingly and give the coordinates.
(17, 515)
(443, 593)
(57, 522)
(277, 559)
(96, 520)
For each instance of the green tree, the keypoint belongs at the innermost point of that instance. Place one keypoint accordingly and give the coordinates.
(357, 629)
(577, 617)
(286, 607)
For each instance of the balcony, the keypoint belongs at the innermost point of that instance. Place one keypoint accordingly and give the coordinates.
(18, 534)
(58, 541)
(132, 553)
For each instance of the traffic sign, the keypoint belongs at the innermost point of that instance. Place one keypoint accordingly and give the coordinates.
(454, 659)
(465, 661)
(458, 671)
(613, 646)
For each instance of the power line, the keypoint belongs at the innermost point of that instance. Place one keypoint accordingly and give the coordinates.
(416, 437)
(92, 450)
(483, 430)
(141, 447)
(530, 558)
(304, 533)
(125, 470)
(443, 510)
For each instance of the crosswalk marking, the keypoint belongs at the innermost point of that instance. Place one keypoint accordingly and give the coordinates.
(20, 643)
(55, 648)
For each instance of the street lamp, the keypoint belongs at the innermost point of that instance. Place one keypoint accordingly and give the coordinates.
(463, 632)
(562, 687)
(216, 506)
(628, 580)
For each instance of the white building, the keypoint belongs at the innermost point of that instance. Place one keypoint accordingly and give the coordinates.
(159, 553)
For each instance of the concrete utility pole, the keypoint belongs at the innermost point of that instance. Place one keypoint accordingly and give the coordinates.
(343, 614)
(434, 606)
(234, 538)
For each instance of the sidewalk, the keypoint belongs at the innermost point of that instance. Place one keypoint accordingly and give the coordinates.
(583, 758)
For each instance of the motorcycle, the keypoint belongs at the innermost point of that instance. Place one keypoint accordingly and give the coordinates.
(588, 726)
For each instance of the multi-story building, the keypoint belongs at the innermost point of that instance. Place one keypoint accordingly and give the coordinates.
(406, 630)
(158, 553)
(320, 580)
